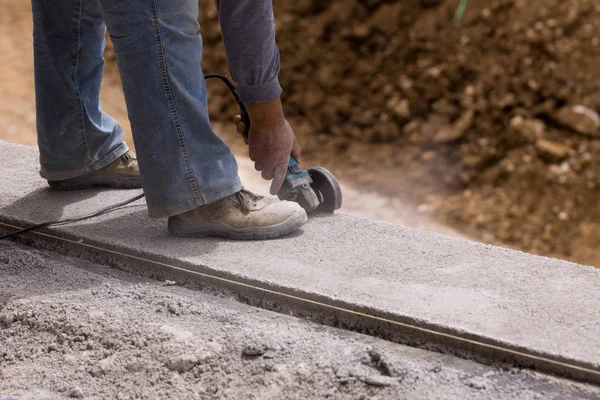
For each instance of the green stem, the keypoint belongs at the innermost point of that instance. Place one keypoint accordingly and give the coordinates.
(460, 11)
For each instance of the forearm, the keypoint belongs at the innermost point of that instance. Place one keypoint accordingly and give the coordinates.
(248, 28)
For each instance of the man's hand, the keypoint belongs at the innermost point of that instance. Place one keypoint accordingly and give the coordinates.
(271, 141)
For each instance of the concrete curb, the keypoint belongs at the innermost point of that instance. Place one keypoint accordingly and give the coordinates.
(413, 287)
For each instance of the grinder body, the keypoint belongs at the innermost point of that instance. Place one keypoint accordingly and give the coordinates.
(315, 189)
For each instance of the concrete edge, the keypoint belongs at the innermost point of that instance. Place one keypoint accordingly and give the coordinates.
(320, 309)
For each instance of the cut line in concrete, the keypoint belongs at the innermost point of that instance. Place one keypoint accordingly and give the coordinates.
(528, 310)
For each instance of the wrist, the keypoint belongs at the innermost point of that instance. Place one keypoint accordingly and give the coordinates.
(269, 112)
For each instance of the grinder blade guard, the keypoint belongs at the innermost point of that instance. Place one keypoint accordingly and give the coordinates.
(315, 189)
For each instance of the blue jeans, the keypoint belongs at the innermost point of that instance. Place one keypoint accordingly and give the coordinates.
(183, 163)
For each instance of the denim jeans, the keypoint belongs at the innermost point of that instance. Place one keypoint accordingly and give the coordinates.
(183, 163)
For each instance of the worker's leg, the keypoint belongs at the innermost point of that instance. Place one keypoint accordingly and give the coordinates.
(75, 137)
(184, 164)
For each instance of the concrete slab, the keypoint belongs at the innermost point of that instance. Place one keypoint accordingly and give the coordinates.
(411, 286)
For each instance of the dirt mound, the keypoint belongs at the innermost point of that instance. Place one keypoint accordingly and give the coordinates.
(491, 124)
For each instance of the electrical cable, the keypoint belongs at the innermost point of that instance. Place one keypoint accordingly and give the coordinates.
(74, 219)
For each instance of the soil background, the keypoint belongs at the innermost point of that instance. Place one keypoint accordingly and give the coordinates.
(488, 125)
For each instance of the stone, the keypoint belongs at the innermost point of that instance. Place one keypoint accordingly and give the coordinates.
(445, 107)
(458, 130)
(579, 118)
(254, 350)
(399, 107)
(76, 393)
(379, 380)
(551, 150)
(525, 130)
(185, 362)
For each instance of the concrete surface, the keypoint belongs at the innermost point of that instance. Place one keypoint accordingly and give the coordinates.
(539, 306)
(73, 329)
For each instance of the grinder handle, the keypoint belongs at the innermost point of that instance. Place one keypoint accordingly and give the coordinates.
(294, 171)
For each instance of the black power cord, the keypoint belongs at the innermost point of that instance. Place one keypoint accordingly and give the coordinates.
(72, 220)
(245, 119)
(236, 95)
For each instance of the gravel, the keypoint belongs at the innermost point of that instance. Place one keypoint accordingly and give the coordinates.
(74, 329)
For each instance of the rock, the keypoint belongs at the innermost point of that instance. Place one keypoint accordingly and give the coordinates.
(399, 107)
(360, 31)
(524, 130)
(76, 393)
(457, 131)
(173, 309)
(551, 150)
(185, 362)
(445, 107)
(478, 383)
(379, 380)
(254, 350)
(579, 118)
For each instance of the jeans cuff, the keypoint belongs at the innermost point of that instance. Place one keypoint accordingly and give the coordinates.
(95, 166)
(207, 198)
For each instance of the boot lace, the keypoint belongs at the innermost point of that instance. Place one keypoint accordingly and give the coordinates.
(247, 199)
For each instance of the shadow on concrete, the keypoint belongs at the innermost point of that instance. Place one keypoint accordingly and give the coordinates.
(131, 222)
(46, 204)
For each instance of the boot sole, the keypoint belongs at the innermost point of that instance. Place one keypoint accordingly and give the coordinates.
(219, 229)
(100, 178)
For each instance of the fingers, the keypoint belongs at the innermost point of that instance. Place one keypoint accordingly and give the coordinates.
(240, 127)
(266, 174)
(278, 178)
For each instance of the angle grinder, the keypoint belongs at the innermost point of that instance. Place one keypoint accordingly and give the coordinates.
(315, 189)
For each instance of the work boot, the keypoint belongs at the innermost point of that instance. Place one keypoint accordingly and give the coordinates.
(243, 216)
(123, 173)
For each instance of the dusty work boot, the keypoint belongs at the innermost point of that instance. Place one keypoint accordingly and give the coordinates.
(243, 216)
(123, 173)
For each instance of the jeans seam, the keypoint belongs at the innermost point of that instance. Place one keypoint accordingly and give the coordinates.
(171, 101)
(77, 52)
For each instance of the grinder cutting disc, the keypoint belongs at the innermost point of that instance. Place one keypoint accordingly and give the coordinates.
(326, 188)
